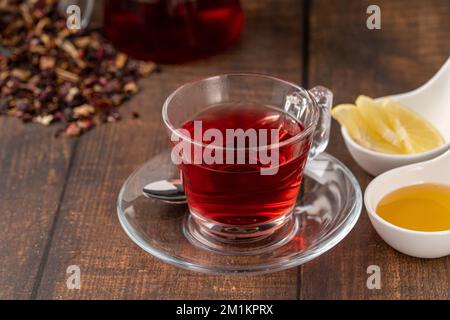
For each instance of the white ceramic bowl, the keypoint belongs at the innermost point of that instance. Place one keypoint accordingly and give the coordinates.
(431, 101)
(414, 243)
(376, 163)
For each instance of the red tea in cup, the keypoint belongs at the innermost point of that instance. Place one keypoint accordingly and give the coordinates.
(237, 193)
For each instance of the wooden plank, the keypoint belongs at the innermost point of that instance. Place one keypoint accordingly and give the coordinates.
(88, 233)
(33, 167)
(350, 59)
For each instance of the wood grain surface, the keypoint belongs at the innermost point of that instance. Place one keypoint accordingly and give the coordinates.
(33, 170)
(58, 196)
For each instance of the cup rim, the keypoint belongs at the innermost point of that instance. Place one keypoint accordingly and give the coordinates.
(305, 132)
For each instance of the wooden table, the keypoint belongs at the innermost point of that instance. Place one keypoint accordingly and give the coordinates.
(58, 195)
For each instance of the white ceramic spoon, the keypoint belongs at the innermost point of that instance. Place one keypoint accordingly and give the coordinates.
(414, 243)
(431, 101)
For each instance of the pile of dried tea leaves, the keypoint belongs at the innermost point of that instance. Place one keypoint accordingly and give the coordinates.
(49, 74)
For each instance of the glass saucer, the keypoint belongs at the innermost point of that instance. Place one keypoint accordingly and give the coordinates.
(327, 209)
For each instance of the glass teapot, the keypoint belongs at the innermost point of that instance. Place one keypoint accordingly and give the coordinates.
(167, 31)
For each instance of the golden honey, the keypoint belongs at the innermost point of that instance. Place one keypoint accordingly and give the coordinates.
(421, 207)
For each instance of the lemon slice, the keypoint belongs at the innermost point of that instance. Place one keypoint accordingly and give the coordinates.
(351, 118)
(417, 134)
(387, 126)
(378, 120)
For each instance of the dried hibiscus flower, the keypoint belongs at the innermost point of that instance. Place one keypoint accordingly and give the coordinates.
(50, 75)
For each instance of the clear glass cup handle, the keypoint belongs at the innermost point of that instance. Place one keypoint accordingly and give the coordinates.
(324, 100)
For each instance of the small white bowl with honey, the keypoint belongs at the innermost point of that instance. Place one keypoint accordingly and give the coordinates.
(409, 207)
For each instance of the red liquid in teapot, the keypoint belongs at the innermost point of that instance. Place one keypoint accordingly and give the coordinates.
(171, 31)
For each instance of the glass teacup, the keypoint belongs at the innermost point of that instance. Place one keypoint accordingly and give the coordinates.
(241, 142)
